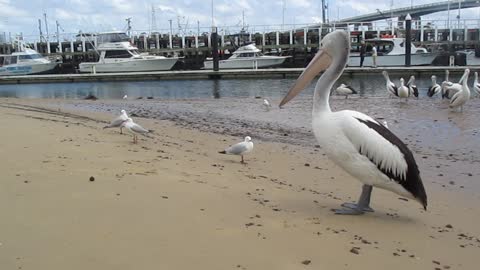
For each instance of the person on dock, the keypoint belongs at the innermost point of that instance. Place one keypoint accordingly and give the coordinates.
(363, 49)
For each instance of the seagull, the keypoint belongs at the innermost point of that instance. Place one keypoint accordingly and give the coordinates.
(134, 129)
(125, 97)
(476, 85)
(266, 104)
(357, 143)
(403, 91)
(118, 121)
(435, 88)
(462, 96)
(241, 148)
(413, 90)
(391, 88)
(345, 90)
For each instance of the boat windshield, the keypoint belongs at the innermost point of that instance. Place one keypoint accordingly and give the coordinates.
(118, 54)
(10, 60)
(382, 47)
(246, 54)
(30, 56)
(112, 37)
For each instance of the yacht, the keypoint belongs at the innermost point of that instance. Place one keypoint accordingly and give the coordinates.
(25, 62)
(391, 52)
(247, 56)
(117, 54)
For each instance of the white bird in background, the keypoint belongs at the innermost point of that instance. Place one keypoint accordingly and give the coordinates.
(435, 88)
(412, 88)
(125, 97)
(266, 104)
(360, 145)
(403, 91)
(391, 88)
(118, 121)
(451, 89)
(462, 96)
(134, 129)
(446, 83)
(345, 90)
(240, 149)
(476, 85)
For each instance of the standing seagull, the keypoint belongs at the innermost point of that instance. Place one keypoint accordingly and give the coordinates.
(118, 121)
(462, 96)
(435, 88)
(266, 104)
(240, 149)
(391, 88)
(360, 145)
(413, 90)
(134, 129)
(345, 90)
(476, 85)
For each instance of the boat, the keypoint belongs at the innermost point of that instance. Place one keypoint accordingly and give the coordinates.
(25, 62)
(117, 54)
(247, 57)
(391, 52)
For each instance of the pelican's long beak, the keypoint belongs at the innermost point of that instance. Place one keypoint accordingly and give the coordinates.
(319, 63)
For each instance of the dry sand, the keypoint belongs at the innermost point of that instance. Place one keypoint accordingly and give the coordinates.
(173, 202)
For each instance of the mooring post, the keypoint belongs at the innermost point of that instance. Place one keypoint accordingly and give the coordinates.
(408, 40)
(215, 48)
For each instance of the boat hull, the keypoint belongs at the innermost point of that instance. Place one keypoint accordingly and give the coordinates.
(24, 69)
(249, 63)
(421, 59)
(137, 65)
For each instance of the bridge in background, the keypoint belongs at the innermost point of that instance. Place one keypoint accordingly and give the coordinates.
(415, 11)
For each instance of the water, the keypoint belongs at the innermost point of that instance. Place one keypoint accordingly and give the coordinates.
(366, 85)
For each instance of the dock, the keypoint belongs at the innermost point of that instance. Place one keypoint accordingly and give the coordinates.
(222, 74)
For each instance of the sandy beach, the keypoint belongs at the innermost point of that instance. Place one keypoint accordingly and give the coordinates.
(76, 196)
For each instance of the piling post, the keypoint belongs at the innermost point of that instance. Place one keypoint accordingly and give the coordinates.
(215, 48)
(263, 39)
(48, 46)
(422, 38)
(291, 37)
(305, 32)
(72, 49)
(408, 40)
(436, 34)
(196, 41)
(157, 42)
(277, 38)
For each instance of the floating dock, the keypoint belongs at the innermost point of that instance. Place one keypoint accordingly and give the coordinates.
(222, 74)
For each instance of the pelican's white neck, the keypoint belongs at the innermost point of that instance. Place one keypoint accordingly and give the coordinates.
(325, 83)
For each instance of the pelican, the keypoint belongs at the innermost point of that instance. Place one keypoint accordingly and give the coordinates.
(345, 90)
(391, 88)
(357, 143)
(266, 104)
(446, 83)
(476, 85)
(134, 129)
(451, 89)
(403, 91)
(118, 121)
(462, 96)
(412, 88)
(240, 149)
(435, 88)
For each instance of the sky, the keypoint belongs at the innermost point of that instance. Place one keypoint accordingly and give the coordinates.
(21, 16)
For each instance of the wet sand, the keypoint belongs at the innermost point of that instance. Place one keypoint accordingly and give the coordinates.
(173, 202)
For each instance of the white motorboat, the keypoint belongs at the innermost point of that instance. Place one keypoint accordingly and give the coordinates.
(25, 62)
(391, 52)
(247, 57)
(119, 55)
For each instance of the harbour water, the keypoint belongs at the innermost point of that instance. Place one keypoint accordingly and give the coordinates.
(366, 85)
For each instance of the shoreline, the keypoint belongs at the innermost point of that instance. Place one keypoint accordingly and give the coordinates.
(172, 201)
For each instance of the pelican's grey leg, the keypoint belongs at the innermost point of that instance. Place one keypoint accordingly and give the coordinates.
(359, 208)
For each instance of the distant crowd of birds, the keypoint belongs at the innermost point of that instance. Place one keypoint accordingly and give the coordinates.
(458, 93)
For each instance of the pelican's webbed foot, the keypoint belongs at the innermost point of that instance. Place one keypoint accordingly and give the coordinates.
(359, 208)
